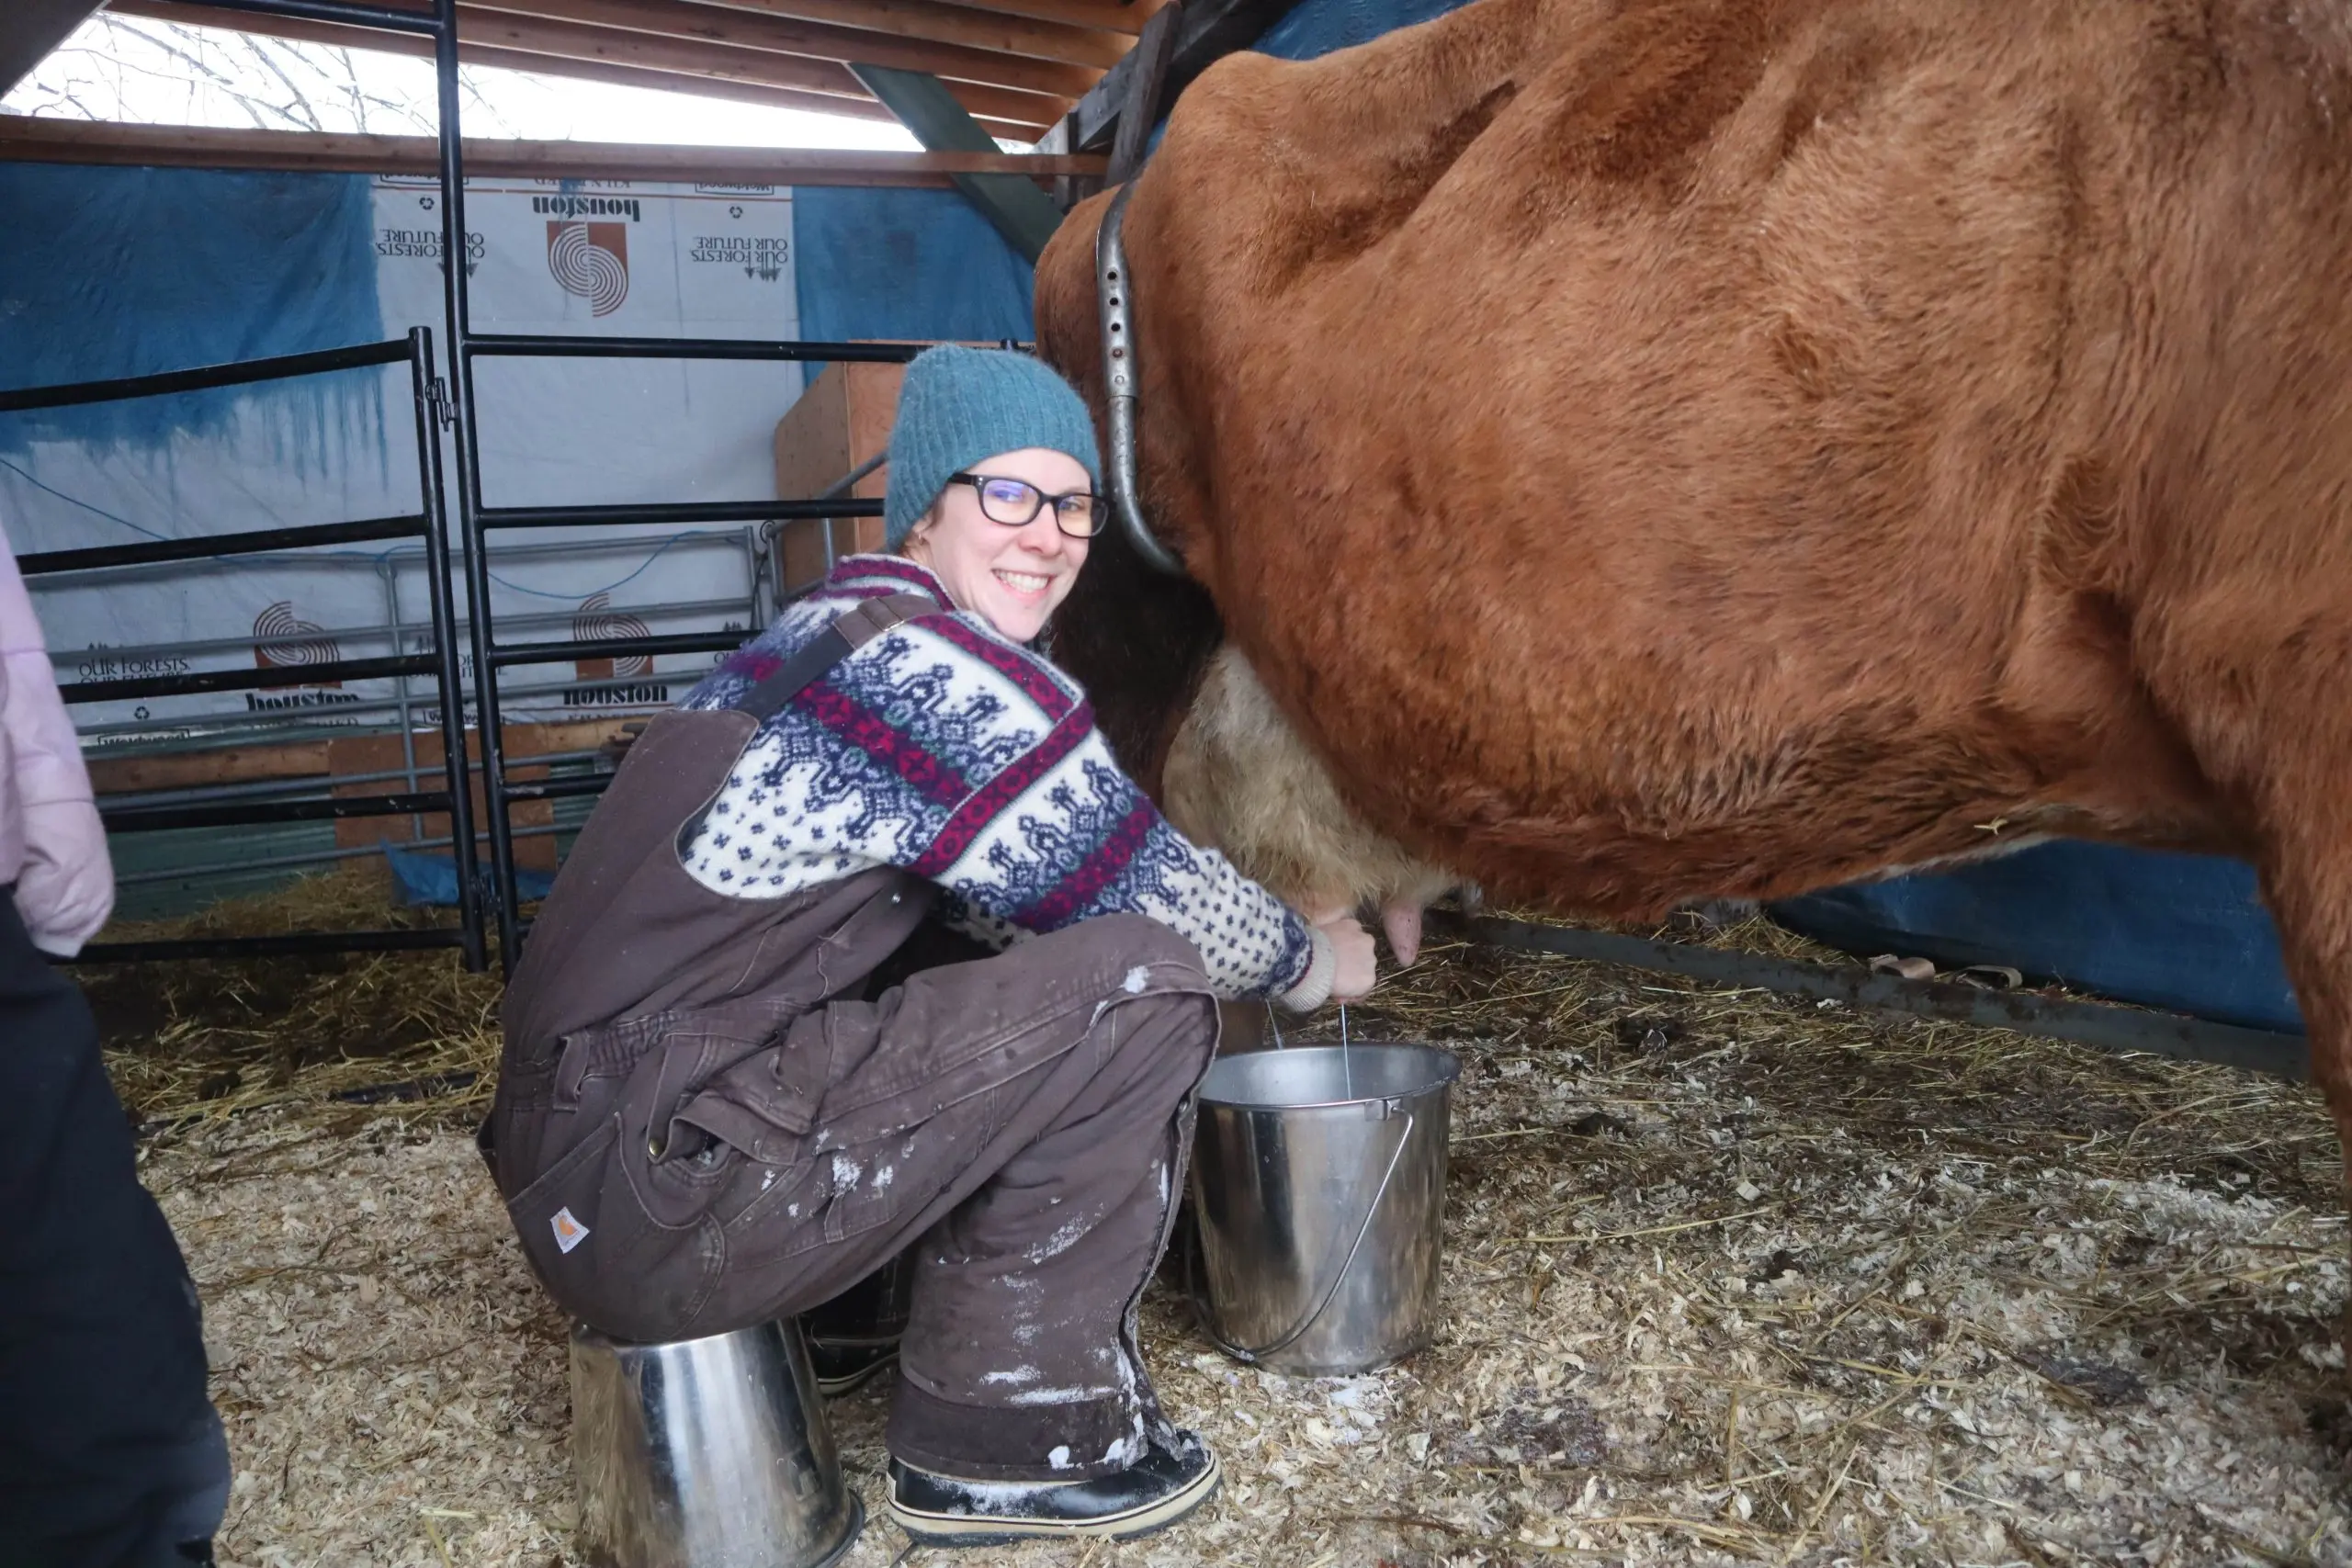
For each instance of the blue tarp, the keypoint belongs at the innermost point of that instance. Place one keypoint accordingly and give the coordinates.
(422, 878)
(2186, 933)
(904, 263)
(1318, 26)
(124, 272)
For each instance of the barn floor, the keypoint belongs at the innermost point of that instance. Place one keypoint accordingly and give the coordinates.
(1728, 1281)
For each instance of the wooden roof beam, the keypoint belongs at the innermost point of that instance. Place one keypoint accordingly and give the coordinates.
(598, 54)
(930, 22)
(517, 23)
(25, 138)
(1112, 16)
(565, 41)
(702, 87)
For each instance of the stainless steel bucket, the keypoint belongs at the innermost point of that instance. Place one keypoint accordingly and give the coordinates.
(1318, 1184)
(705, 1454)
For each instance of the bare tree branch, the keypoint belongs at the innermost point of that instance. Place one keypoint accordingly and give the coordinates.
(350, 86)
(476, 101)
(298, 108)
(192, 56)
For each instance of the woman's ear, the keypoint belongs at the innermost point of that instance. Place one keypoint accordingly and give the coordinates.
(916, 546)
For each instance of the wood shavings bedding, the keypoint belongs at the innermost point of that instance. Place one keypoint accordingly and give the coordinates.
(1728, 1281)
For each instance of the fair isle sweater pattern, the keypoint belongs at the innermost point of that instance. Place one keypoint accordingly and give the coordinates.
(942, 747)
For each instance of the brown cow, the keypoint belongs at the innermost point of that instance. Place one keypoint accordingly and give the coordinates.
(1652, 450)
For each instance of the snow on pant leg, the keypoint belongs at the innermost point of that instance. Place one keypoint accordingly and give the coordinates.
(1019, 1121)
(1019, 1362)
(110, 1452)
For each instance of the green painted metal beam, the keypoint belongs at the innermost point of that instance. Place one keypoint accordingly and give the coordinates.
(1025, 215)
(29, 29)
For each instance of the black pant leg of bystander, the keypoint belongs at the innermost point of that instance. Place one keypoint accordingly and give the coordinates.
(111, 1455)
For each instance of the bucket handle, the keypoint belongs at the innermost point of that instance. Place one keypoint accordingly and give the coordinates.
(1372, 1210)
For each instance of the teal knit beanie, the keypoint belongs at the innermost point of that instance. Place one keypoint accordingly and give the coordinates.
(960, 406)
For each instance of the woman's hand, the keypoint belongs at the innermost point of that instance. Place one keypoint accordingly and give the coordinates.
(1352, 974)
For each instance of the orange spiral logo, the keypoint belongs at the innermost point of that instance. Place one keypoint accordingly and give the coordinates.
(283, 641)
(597, 621)
(591, 260)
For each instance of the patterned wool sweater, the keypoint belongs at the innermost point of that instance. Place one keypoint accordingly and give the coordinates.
(943, 747)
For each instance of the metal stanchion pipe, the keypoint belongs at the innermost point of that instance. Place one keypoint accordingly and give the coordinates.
(509, 654)
(204, 681)
(213, 546)
(673, 513)
(459, 399)
(311, 857)
(157, 818)
(535, 345)
(448, 668)
(307, 784)
(270, 946)
(245, 372)
(257, 727)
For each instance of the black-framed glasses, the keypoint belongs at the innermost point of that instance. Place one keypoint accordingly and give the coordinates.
(1016, 502)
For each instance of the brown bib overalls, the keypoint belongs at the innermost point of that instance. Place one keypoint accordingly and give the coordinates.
(698, 1127)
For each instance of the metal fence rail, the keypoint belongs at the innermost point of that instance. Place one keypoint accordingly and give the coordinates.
(440, 404)
(476, 519)
(440, 662)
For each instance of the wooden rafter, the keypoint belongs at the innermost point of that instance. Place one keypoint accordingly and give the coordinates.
(705, 86)
(930, 22)
(602, 54)
(26, 139)
(1106, 14)
(512, 22)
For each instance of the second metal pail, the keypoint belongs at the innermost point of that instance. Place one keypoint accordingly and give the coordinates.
(1318, 1181)
(705, 1454)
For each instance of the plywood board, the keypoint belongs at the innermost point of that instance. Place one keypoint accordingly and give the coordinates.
(841, 421)
(195, 769)
(379, 753)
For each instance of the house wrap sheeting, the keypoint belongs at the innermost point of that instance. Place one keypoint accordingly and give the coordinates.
(110, 271)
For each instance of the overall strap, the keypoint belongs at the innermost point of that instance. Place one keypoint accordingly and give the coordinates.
(861, 624)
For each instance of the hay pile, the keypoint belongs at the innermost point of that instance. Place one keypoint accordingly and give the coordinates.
(1728, 1281)
(194, 1041)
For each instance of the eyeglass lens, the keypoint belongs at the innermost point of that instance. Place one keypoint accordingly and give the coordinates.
(1016, 501)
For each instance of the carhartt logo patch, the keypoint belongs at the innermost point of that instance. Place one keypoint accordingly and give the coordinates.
(569, 1233)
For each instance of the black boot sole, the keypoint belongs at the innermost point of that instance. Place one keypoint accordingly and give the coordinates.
(968, 1529)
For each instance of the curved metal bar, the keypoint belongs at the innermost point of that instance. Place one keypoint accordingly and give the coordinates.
(1113, 293)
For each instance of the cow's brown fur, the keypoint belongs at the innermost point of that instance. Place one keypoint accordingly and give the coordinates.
(1662, 449)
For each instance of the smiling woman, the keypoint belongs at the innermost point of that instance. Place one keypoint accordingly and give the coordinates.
(999, 549)
(982, 440)
(778, 1074)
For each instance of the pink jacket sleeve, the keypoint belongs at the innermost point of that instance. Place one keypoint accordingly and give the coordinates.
(52, 846)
